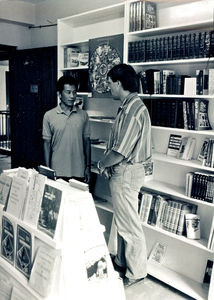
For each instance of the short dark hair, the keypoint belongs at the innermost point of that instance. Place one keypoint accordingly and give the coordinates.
(126, 75)
(66, 79)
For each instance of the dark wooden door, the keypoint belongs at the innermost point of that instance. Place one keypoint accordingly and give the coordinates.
(33, 75)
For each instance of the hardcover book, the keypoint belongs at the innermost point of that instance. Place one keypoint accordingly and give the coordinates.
(201, 114)
(50, 208)
(174, 145)
(149, 15)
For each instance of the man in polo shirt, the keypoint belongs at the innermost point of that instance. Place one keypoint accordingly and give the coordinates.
(128, 148)
(66, 134)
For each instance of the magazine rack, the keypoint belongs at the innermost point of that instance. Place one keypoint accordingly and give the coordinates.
(74, 264)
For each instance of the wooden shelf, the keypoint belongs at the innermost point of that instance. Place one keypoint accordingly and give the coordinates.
(172, 29)
(178, 281)
(188, 163)
(110, 121)
(181, 130)
(95, 16)
(202, 243)
(77, 43)
(75, 68)
(176, 96)
(105, 205)
(172, 190)
(99, 146)
(174, 62)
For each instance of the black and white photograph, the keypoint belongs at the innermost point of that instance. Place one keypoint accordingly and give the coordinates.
(107, 149)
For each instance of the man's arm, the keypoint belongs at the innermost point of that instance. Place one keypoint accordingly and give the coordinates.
(111, 159)
(47, 152)
(87, 152)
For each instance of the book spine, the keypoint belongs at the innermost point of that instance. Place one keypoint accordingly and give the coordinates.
(185, 114)
(211, 82)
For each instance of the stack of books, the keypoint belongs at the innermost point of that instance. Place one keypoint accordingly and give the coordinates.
(165, 213)
(200, 185)
(169, 47)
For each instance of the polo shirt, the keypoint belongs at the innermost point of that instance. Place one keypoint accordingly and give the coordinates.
(131, 133)
(66, 133)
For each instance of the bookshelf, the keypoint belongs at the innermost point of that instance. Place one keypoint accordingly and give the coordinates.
(181, 268)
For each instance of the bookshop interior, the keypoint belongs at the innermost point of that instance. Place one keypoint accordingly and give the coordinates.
(92, 93)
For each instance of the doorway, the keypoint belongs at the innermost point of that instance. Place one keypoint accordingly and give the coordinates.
(5, 132)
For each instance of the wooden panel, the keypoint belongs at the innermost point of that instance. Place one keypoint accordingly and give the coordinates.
(33, 75)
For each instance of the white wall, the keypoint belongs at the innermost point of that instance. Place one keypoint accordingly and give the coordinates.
(15, 35)
(51, 10)
(48, 11)
(3, 69)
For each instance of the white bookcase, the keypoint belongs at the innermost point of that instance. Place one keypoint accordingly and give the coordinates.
(186, 259)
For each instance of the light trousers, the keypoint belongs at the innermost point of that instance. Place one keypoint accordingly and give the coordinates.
(125, 185)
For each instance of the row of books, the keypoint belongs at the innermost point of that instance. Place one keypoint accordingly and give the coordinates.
(168, 214)
(166, 82)
(206, 154)
(204, 82)
(200, 185)
(142, 15)
(170, 47)
(190, 114)
(195, 114)
(181, 147)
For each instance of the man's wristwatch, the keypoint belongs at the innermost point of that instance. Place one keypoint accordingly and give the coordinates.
(100, 168)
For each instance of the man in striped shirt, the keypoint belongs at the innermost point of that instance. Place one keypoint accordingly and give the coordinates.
(128, 148)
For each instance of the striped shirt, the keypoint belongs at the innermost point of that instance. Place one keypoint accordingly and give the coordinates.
(131, 133)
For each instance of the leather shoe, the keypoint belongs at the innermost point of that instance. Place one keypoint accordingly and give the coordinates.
(120, 270)
(128, 281)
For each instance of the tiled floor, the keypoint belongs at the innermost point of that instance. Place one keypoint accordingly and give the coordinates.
(153, 289)
(148, 289)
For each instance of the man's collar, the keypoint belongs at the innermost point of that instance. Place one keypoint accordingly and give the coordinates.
(128, 99)
(60, 111)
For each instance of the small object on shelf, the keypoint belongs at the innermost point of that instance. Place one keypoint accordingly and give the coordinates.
(50, 173)
(193, 226)
(142, 15)
(71, 57)
(158, 253)
(78, 184)
(174, 145)
(208, 272)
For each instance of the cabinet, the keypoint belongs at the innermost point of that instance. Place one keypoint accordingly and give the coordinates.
(182, 267)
